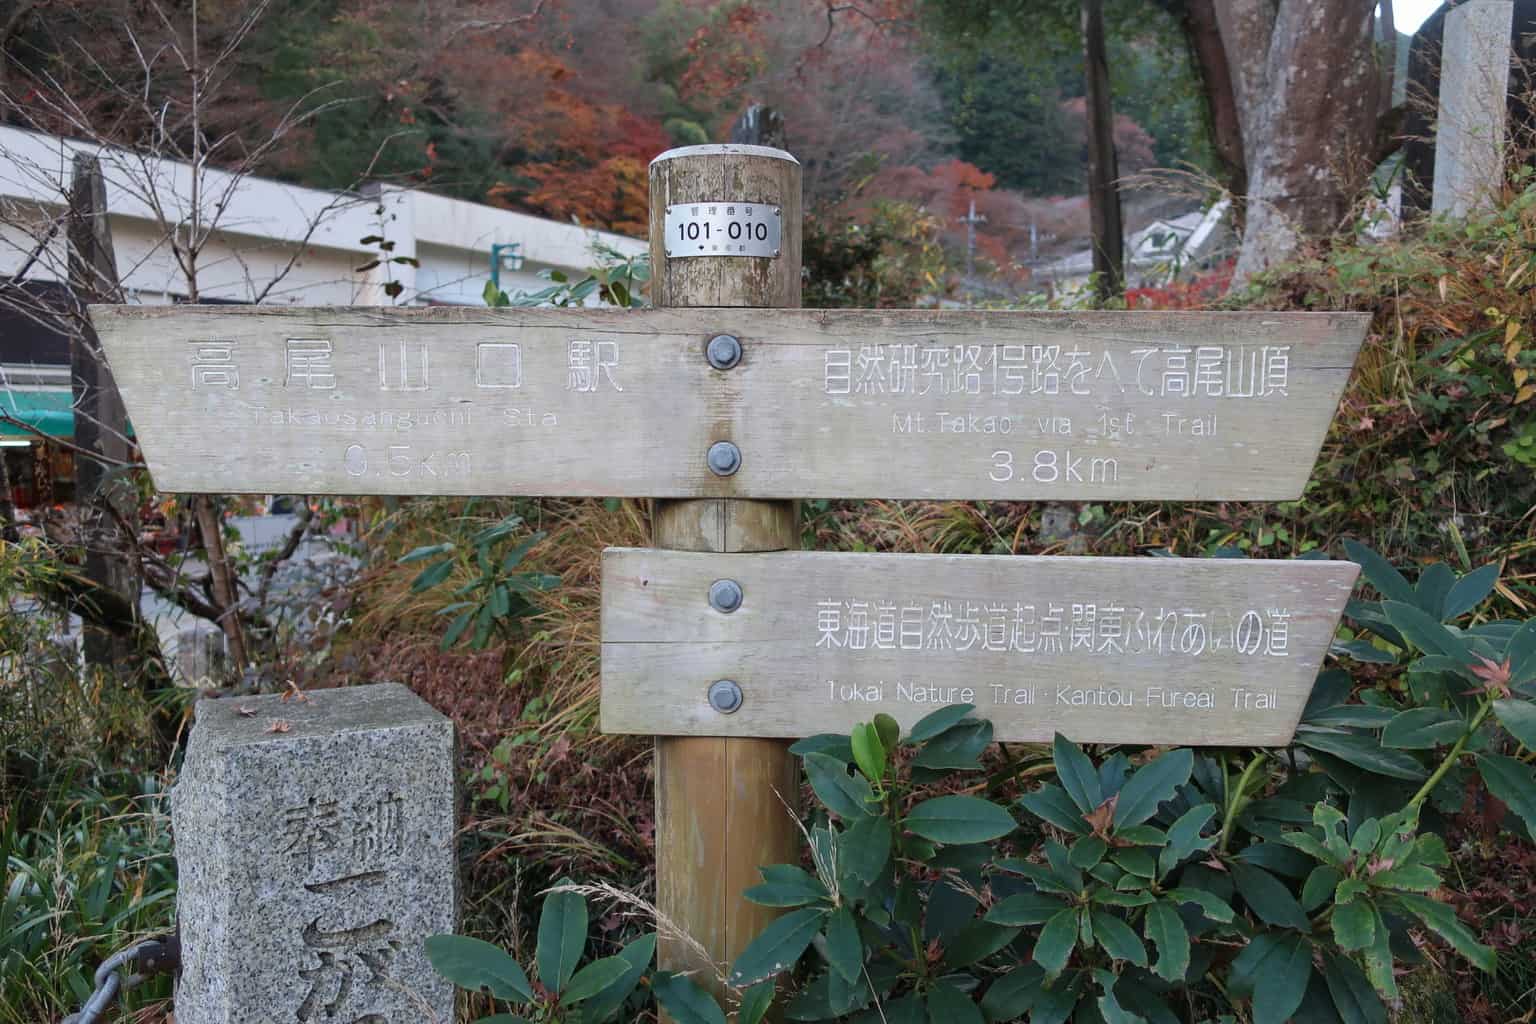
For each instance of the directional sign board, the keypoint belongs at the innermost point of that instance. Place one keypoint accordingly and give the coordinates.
(836, 403)
(1217, 652)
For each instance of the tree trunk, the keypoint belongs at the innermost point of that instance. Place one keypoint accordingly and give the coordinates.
(1103, 168)
(1203, 33)
(226, 589)
(1306, 84)
(101, 424)
(7, 509)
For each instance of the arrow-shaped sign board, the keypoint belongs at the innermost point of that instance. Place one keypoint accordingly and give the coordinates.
(1211, 652)
(836, 403)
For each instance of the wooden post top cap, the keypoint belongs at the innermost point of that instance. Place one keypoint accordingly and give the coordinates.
(724, 149)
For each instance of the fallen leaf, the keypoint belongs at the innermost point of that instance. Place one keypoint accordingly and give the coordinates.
(1099, 818)
(247, 711)
(279, 725)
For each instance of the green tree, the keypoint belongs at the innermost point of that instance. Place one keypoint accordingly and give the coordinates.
(1006, 112)
(1003, 64)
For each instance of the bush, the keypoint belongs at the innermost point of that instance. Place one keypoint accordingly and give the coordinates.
(91, 875)
(1292, 880)
(559, 989)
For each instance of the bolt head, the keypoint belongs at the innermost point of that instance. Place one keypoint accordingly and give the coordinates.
(723, 351)
(725, 696)
(724, 458)
(725, 596)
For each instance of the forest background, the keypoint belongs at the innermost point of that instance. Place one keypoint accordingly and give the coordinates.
(557, 108)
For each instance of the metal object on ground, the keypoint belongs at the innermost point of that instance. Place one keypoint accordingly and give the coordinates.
(159, 955)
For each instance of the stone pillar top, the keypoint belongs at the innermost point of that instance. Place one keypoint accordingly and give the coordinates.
(315, 855)
(226, 722)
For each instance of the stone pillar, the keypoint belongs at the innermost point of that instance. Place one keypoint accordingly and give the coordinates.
(201, 658)
(1474, 86)
(315, 851)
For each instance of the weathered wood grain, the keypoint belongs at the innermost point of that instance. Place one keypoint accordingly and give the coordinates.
(1212, 652)
(724, 806)
(828, 404)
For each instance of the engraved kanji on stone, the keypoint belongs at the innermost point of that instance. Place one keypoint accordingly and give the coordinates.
(912, 627)
(968, 370)
(837, 371)
(1275, 372)
(1110, 634)
(498, 364)
(1175, 380)
(348, 962)
(1208, 375)
(885, 626)
(1278, 641)
(941, 635)
(1010, 370)
(213, 365)
(857, 638)
(312, 828)
(1084, 623)
(871, 378)
(829, 624)
(404, 367)
(1024, 635)
(1051, 630)
(307, 364)
(589, 362)
(378, 828)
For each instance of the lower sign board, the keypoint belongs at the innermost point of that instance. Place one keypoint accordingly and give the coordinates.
(804, 403)
(1209, 652)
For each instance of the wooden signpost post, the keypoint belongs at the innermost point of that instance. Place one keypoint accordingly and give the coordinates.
(724, 403)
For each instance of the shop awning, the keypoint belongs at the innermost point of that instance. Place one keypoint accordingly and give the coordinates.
(49, 410)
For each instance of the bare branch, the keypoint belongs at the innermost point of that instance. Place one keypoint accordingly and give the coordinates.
(12, 421)
(290, 545)
(493, 24)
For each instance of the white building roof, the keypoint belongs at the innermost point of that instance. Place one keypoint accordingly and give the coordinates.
(310, 239)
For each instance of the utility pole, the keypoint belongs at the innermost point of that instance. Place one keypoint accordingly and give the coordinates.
(101, 425)
(970, 221)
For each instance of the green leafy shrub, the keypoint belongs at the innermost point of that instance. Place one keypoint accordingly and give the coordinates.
(496, 593)
(1286, 881)
(616, 280)
(92, 874)
(559, 989)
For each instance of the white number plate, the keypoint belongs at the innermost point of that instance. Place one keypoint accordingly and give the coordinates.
(723, 229)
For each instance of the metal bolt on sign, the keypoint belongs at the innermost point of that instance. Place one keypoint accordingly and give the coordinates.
(725, 696)
(723, 351)
(725, 596)
(724, 458)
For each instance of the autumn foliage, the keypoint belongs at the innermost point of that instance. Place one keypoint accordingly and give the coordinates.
(555, 106)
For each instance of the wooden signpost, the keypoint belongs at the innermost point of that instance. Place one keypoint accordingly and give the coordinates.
(835, 404)
(724, 402)
(1218, 652)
